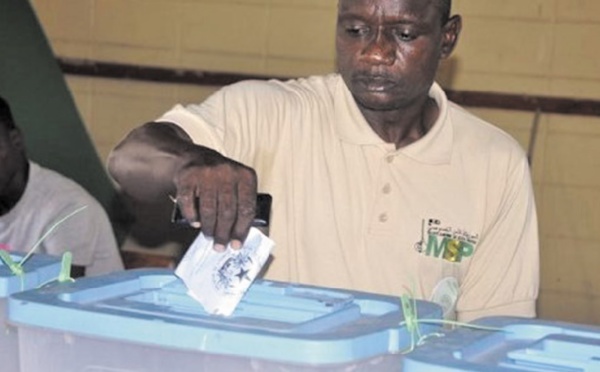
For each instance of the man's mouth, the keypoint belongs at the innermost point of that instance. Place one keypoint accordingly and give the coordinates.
(374, 83)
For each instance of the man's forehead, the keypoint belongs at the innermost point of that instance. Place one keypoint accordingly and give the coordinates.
(389, 7)
(392, 10)
(386, 3)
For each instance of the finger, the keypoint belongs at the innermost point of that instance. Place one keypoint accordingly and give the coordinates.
(196, 224)
(186, 200)
(207, 208)
(227, 212)
(246, 210)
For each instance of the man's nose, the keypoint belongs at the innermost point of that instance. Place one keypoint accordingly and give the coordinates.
(380, 49)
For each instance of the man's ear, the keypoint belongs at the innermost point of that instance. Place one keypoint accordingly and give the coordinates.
(450, 33)
(16, 138)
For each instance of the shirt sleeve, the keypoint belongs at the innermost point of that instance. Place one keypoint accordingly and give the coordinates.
(213, 122)
(503, 278)
(201, 130)
(242, 121)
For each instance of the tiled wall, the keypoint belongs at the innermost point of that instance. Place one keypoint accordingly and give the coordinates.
(536, 46)
(540, 47)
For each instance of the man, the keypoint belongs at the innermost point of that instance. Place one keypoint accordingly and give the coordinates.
(33, 199)
(378, 182)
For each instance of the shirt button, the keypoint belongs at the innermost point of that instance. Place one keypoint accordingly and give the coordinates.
(389, 158)
(387, 188)
(383, 217)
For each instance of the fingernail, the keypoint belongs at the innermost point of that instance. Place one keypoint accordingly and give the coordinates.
(236, 244)
(219, 248)
(195, 224)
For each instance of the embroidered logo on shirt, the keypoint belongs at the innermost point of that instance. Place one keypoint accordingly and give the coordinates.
(445, 242)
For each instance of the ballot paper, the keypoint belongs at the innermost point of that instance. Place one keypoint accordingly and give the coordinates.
(218, 280)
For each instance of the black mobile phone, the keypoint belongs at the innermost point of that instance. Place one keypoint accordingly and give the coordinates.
(261, 219)
(263, 210)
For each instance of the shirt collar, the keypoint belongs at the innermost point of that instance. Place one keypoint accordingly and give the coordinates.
(433, 148)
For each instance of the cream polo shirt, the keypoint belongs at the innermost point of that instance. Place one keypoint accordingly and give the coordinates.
(351, 211)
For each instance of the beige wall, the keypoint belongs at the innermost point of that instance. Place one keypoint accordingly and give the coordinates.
(541, 47)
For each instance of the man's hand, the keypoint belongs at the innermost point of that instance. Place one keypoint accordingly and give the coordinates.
(213, 192)
(218, 195)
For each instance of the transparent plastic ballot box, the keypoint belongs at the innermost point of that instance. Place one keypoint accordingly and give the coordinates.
(515, 344)
(143, 320)
(37, 270)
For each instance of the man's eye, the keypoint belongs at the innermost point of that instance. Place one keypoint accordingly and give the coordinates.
(405, 35)
(357, 30)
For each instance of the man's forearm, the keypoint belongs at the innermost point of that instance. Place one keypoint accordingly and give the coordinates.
(144, 164)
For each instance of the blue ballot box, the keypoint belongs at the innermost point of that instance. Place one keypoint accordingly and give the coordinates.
(37, 270)
(144, 320)
(518, 344)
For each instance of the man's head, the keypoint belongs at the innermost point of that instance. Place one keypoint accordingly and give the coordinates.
(13, 161)
(388, 51)
(6, 118)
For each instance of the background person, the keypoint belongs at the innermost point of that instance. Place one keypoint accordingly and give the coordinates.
(33, 199)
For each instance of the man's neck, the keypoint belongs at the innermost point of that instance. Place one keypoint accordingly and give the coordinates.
(403, 126)
(7, 202)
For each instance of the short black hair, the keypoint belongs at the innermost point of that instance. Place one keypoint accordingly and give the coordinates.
(444, 6)
(6, 118)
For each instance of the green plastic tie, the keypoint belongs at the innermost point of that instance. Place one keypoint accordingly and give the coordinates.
(412, 321)
(50, 230)
(14, 267)
(65, 270)
(17, 267)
